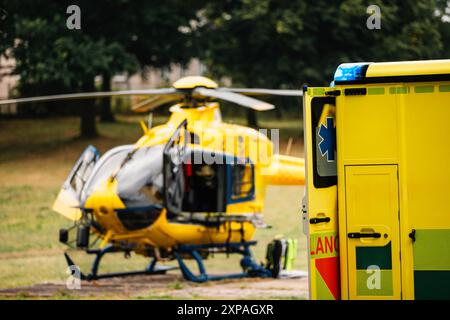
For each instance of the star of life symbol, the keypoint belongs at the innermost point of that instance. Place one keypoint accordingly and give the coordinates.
(328, 135)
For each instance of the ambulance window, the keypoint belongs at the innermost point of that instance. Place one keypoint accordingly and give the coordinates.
(323, 141)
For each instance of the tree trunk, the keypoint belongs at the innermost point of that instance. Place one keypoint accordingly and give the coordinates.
(106, 112)
(278, 113)
(252, 119)
(88, 126)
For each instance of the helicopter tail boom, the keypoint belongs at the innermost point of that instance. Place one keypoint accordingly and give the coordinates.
(286, 170)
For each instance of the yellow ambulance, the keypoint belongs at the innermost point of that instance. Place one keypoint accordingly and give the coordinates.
(376, 209)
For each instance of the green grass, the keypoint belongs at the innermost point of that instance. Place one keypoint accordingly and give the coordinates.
(176, 285)
(30, 222)
(36, 156)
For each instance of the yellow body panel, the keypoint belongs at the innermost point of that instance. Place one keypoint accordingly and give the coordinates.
(392, 179)
(408, 68)
(392, 136)
(286, 170)
(372, 207)
(67, 206)
(319, 203)
(193, 82)
(166, 234)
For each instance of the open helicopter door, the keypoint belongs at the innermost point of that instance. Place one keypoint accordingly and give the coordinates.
(203, 181)
(173, 157)
(320, 201)
(216, 182)
(67, 202)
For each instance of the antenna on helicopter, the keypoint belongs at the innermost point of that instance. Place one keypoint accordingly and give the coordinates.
(289, 146)
(149, 120)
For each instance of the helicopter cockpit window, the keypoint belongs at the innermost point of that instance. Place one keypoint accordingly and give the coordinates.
(211, 187)
(83, 169)
(138, 173)
(140, 179)
(242, 182)
(204, 187)
(70, 195)
(139, 186)
(109, 162)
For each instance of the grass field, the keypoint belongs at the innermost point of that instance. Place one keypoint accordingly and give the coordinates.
(36, 156)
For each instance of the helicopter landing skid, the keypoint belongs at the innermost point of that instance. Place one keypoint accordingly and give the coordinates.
(248, 264)
(151, 269)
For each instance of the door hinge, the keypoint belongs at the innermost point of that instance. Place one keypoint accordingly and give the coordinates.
(412, 235)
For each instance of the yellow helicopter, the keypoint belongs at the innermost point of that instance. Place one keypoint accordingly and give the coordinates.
(190, 187)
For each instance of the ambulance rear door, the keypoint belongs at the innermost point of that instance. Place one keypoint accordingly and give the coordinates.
(320, 201)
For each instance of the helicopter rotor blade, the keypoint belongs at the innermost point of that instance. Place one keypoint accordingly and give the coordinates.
(261, 92)
(237, 98)
(91, 95)
(155, 102)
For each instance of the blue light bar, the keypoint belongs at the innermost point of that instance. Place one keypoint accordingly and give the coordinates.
(351, 71)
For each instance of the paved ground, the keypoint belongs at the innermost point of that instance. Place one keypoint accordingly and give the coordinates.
(169, 286)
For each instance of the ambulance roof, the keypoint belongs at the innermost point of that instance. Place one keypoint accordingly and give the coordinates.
(401, 71)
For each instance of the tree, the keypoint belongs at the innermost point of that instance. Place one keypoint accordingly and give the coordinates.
(115, 36)
(443, 12)
(287, 43)
(151, 30)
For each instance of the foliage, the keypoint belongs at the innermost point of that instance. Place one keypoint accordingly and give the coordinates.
(286, 43)
(115, 37)
(259, 43)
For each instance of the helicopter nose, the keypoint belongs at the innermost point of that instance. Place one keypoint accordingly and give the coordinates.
(100, 202)
(104, 201)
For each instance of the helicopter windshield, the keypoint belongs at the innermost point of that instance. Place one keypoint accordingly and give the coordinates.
(138, 173)
(104, 168)
(140, 178)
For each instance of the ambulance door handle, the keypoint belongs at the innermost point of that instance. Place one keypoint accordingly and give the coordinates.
(359, 235)
(319, 220)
